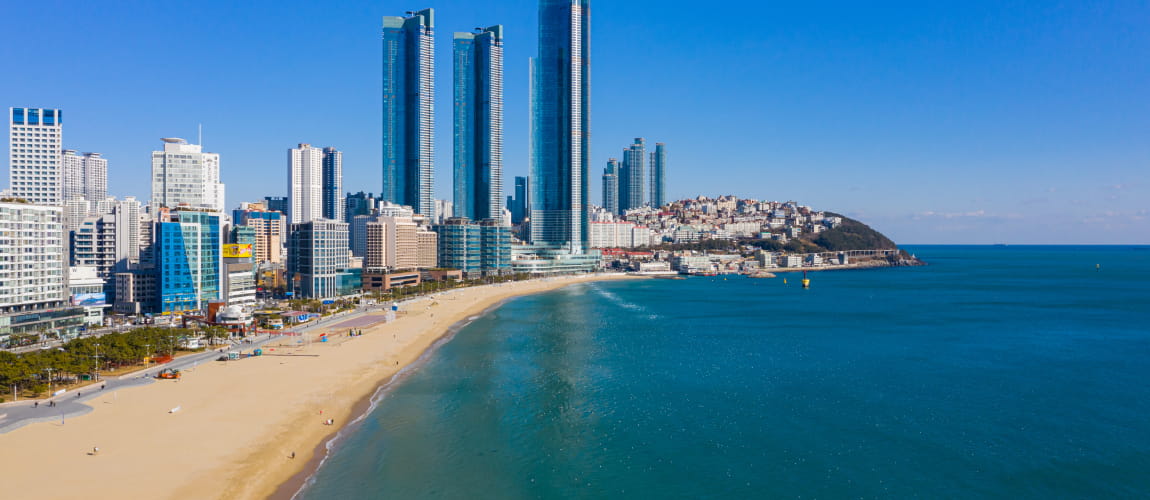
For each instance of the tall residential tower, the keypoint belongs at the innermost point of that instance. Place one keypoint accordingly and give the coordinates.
(659, 175)
(333, 184)
(408, 114)
(479, 124)
(305, 184)
(183, 174)
(37, 170)
(561, 122)
(611, 186)
(631, 176)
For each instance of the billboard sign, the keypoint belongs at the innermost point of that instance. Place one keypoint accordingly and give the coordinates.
(89, 299)
(235, 251)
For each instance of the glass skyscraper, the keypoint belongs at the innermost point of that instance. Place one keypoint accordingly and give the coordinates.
(408, 117)
(611, 186)
(479, 124)
(560, 123)
(659, 175)
(333, 184)
(631, 176)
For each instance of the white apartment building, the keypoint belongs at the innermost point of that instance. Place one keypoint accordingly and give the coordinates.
(305, 184)
(35, 139)
(183, 174)
(85, 176)
(33, 281)
(619, 235)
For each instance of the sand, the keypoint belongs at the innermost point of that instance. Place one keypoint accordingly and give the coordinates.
(238, 422)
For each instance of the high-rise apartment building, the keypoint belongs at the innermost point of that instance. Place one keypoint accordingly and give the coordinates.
(561, 125)
(277, 204)
(360, 203)
(85, 176)
(408, 110)
(631, 175)
(659, 175)
(317, 256)
(182, 174)
(33, 284)
(37, 170)
(399, 243)
(479, 124)
(332, 184)
(268, 229)
(611, 186)
(305, 184)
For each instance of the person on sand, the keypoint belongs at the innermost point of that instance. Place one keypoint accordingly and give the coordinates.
(293, 455)
(95, 450)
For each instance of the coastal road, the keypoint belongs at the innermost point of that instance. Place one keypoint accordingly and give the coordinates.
(73, 403)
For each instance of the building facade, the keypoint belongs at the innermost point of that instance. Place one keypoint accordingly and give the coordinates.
(317, 257)
(611, 186)
(631, 175)
(33, 283)
(408, 110)
(478, 180)
(268, 229)
(333, 184)
(518, 204)
(305, 184)
(477, 249)
(34, 154)
(561, 125)
(659, 176)
(188, 247)
(85, 177)
(182, 174)
(360, 203)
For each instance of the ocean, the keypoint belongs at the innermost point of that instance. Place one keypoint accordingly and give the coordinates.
(994, 372)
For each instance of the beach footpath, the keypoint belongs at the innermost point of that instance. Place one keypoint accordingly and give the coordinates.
(236, 429)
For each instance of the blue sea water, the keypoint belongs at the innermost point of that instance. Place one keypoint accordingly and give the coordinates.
(995, 372)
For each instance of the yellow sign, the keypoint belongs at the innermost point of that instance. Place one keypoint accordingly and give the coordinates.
(233, 251)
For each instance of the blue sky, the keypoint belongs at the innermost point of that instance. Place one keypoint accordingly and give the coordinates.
(935, 122)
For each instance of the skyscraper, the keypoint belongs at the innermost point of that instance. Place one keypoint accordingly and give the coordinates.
(659, 175)
(479, 124)
(631, 176)
(611, 186)
(561, 125)
(519, 205)
(85, 176)
(183, 173)
(305, 184)
(35, 138)
(332, 184)
(408, 118)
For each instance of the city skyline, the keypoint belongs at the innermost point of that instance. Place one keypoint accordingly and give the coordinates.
(921, 129)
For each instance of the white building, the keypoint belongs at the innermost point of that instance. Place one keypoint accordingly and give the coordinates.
(183, 174)
(85, 176)
(619, 235)
(305, 184)
(35, 138)
(793, 261)
(33, 284)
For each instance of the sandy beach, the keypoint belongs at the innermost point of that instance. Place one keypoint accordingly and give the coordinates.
(238, 422)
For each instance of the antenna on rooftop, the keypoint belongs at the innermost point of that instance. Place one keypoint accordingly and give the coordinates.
(201, 139)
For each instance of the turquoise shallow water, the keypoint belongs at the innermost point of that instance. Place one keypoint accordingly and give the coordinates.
(994, 372)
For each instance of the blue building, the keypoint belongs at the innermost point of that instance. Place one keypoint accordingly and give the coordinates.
(561, 125)
(408, 114)
(611, 186)
(477, 249)
(631, 175)
(518, 204)
(479, 124)
(332, 188)
(277, 204)
(187, 246)
(659, 175)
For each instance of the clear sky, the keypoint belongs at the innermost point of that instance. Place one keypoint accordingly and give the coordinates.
(1001, 121)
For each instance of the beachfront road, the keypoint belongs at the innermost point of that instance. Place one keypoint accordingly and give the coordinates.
(74, 403)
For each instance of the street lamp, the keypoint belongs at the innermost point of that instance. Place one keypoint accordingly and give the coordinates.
(97, 370)
(49, 370)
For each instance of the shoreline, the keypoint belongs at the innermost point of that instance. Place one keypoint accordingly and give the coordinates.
(299, 481)
(237, 424)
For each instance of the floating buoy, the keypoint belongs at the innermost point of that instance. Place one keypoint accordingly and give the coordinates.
(806, 281)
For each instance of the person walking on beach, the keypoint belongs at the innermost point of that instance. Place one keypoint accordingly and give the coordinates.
(293, 455)
(36, 404)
